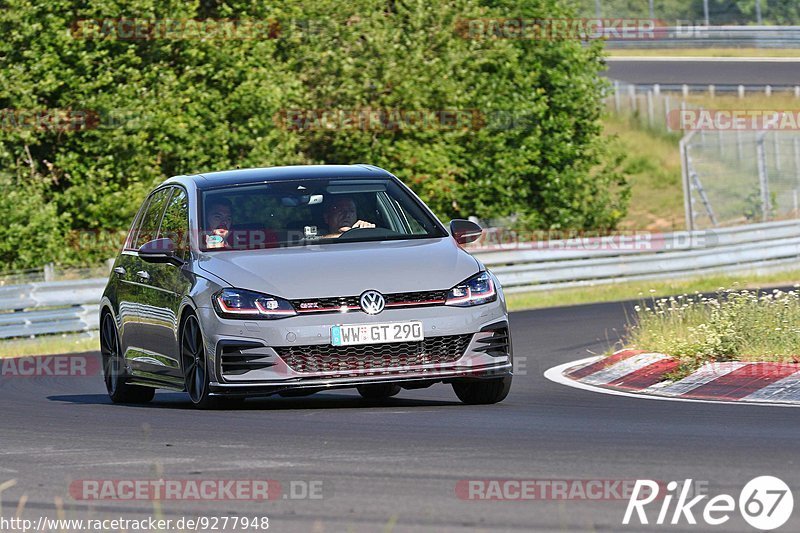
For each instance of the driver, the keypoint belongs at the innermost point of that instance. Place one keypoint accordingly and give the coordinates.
(340, 215)
(218, 223)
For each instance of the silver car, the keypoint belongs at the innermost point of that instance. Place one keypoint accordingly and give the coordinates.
(295, 280)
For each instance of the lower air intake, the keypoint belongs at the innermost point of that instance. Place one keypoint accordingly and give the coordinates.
(388, 358)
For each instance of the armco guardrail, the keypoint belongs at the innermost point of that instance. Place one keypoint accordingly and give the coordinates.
(694, 36)
(71, 306)
(565, 263)
(32, 323)
(51, 294)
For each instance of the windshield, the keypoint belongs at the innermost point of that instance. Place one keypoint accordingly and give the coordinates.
(302, 212)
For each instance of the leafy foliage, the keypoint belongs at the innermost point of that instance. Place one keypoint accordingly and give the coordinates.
(146, 109)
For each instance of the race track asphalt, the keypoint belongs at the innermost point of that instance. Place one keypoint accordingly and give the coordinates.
(704, 72)
(395, 466)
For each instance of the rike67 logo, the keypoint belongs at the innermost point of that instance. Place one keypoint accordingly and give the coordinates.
(765, 503)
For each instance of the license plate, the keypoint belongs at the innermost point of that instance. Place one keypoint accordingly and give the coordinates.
(355, 334)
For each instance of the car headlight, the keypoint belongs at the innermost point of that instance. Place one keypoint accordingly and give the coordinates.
(477, 290)
(239, 303)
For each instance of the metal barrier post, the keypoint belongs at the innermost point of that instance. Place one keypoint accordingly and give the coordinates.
(687, 186)
(763, 182)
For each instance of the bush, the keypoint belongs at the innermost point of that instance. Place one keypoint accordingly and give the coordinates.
(32, 228)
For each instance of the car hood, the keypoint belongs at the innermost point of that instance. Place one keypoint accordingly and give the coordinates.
(344, 269)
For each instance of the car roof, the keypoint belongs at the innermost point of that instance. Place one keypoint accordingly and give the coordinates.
(228, 178)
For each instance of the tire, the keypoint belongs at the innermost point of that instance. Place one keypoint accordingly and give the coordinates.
(195, 365)
(482, 392)
(114, 367)
(379, 391)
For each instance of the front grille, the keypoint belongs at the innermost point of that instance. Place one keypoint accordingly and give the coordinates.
(416, 298)
(389, 358)
(351, 303)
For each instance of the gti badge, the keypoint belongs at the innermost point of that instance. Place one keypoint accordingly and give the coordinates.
(372, 302)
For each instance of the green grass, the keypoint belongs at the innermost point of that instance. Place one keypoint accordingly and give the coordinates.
(705, 52)
(48, 345)
(736, 324)
(653, 168)
(633, 290)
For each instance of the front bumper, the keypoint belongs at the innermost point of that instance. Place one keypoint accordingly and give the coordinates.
(265, 372)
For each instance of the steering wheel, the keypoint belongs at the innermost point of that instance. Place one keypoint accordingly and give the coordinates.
(350, 230)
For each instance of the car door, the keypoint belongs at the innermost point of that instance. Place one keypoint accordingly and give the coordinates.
(126, 288)
(163, 286)
(140, 357)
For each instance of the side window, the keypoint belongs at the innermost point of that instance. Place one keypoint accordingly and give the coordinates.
(148, 228)
(413, 224)
(400, 220)
(130, 240)
(175, 224)
(389, 214)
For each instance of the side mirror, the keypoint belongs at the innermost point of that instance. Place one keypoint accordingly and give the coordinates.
(464, 231)
(160, 251)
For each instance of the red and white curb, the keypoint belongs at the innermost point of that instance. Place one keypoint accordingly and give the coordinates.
(641, 374)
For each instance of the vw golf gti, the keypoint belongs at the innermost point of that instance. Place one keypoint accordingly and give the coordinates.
(295, 280)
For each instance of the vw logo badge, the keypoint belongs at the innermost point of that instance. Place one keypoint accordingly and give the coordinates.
(372, 302)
